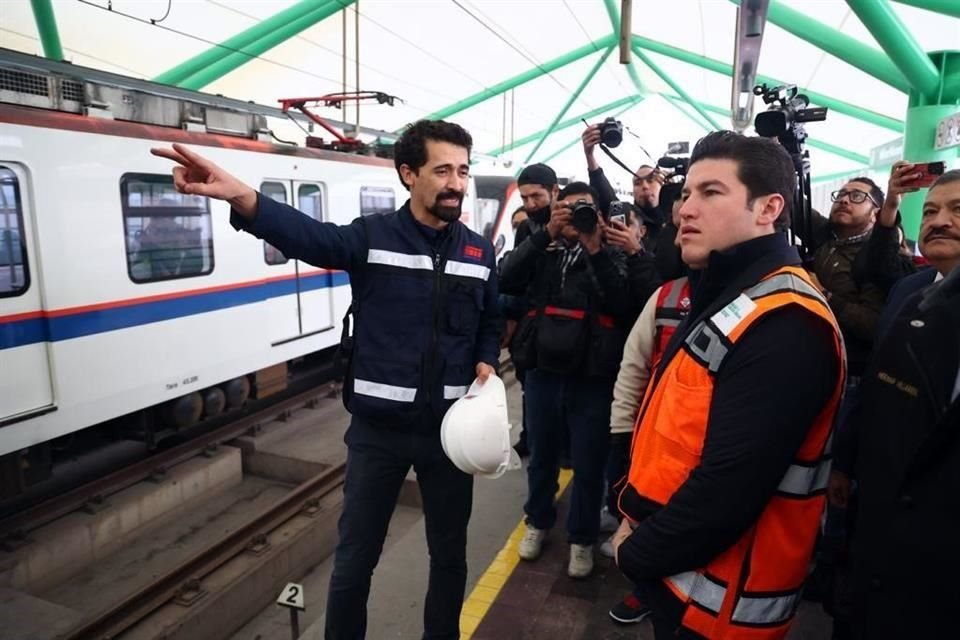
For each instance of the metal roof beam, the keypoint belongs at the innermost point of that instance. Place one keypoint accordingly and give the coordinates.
(626, 100)
(879, 17)
(676, 87)
(813, 142)
(837, 44)
(179, 73)
(722, 67)
(523, 78)
(268, 41)
(47, 27)
(573, 97)
(946, 7)
(614, 16)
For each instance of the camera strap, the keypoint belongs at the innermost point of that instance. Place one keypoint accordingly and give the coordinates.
(609, 153)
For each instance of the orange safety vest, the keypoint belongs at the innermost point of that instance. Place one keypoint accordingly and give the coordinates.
(751, 590)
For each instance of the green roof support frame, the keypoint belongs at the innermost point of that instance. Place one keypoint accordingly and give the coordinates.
(576, 140)
(47, 27)
(676, 87)
(237, 59)
(845, 175)
(614, 16)
(813, 142)
(722, 67)
(184, 70)
(946, 7)
(522, 78)
(879, 17)
(837, 44)
(566, 107)
(626, 100)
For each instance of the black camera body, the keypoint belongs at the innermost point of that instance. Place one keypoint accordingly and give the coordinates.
(679, 164)
(782, 118)
(611, 132)
(584, 217)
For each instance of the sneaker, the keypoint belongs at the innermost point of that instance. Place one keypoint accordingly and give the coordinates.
(629, 610)
(581, 560)
(606, 549)
(608, 522)
(532, 543)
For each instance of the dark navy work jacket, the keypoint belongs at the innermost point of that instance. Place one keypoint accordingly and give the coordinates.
(425, 305)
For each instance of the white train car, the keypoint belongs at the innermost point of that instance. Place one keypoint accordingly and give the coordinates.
(117, 293)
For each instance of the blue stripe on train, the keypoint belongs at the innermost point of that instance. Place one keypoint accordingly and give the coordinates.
(85, 323)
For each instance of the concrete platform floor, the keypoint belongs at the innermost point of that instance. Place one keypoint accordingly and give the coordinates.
(529, 600)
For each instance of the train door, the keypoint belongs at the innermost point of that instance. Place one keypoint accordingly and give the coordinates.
(314, 285)
(300, 297)
(26, 387)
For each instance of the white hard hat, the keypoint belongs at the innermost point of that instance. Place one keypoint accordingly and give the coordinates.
(475, 432)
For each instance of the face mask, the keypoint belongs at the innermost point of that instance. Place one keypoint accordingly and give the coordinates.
(541, 216)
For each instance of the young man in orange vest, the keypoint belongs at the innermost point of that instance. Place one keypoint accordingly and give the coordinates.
(730, 456)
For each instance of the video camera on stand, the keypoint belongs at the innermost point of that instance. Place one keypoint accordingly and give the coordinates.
(784, 121)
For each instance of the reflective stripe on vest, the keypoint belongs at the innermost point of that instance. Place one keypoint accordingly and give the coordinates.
(707, 346)
(749, 609)
(452, 393)
(384, 391)
(805, 480)
(402, 260)
(673, 305)
(467, 270)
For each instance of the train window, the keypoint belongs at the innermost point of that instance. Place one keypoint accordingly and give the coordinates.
(374, 200)
(309, 200)
(169, 234)
(14, 270)
(275, 191)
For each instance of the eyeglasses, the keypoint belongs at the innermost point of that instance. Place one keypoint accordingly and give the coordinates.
(856, 196)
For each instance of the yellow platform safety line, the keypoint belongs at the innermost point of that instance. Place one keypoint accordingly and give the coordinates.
(488, 587)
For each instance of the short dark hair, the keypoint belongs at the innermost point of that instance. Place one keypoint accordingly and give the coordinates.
(411, 148)
(950, 176)
(763, 166)
(577, 188)
(516, 211)
(875, 191)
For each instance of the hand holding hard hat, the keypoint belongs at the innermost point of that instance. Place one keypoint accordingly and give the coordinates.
(475, 432)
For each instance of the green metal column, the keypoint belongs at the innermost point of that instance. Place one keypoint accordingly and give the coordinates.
(573, 97)
(879, 17)
(836, 43)
(47, 27)
(184, 70)
(923, 115)
(239, 58)
(519, 79)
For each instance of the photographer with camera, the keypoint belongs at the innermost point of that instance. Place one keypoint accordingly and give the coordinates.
(647, 181)
(570, 343)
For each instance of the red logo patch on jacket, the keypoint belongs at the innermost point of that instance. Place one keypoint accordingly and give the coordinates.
(473, 252)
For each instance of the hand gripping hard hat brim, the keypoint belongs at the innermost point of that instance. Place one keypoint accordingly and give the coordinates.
(475, 432)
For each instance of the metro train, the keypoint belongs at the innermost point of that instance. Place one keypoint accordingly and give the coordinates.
(121, 297)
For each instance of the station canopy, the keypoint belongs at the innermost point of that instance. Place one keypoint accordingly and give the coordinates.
(435, 55)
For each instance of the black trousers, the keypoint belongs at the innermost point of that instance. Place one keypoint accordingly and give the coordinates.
(378, 460)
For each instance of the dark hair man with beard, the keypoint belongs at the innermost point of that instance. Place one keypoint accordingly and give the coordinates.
(538, 191)
(426, 324)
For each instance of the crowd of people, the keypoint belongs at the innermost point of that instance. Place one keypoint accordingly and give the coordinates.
(711, 391)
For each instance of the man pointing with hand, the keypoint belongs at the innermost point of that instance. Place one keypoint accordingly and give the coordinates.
(425, 325)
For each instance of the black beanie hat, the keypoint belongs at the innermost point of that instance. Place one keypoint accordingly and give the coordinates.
(537, 174)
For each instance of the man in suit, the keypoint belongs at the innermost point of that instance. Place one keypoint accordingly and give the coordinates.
(908, 419)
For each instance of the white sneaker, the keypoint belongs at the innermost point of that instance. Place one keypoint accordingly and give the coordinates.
(532, 543)
(606, 549)
(581, 560)
(608, 523)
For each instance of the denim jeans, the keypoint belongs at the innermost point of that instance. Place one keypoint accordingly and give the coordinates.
(560, 406)
(378, 460)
